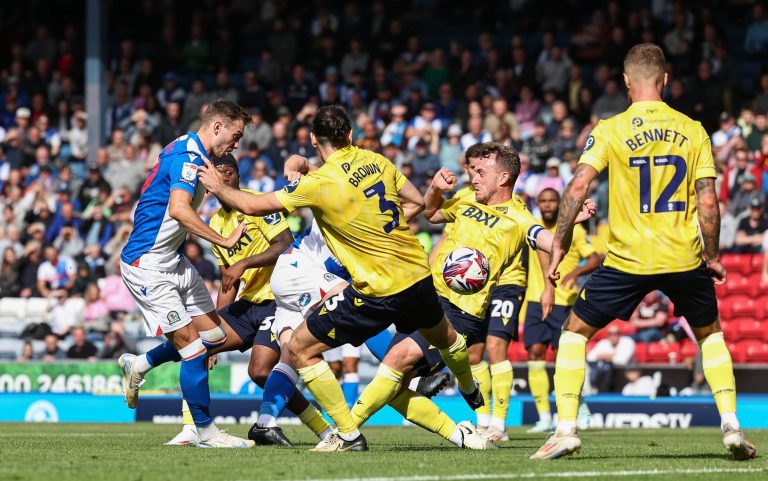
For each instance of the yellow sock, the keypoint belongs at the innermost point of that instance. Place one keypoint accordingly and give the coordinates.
(718, 370)
(323, 385)
(186, 415)
(315, 421)
(423, 412)
(501, 380)
(482, 374)
(538, 381)
(570, 367)
(457, 360)
(378, 393)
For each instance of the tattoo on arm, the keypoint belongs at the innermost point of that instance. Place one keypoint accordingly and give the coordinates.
(709, 217)
(570, 205)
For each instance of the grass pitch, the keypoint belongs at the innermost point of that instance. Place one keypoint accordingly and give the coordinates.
(134, 452)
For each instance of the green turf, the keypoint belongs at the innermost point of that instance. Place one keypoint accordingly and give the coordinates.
(82, 452)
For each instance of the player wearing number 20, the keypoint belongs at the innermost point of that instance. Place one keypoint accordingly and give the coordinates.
(662, 198)
(362, 204)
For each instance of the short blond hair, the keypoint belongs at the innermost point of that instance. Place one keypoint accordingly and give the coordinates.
(645, 61)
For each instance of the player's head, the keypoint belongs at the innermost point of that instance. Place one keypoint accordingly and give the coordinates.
(222, 124)
(644, 68)
(471, 156)
(227, 165)
(548, 202)
(496, 171)
(331, 128)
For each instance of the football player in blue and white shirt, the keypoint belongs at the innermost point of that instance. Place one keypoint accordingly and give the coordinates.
(168, 290)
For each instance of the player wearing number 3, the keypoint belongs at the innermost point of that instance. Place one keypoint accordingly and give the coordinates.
(662, 198)
(361, 203)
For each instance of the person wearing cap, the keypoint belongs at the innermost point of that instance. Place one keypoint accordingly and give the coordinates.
(746, 192)
(424, 161)
(749, 236)
(450, 149)
(23, 116)
(171, 90)
(551, 178)
(426, 121)
(728, 130)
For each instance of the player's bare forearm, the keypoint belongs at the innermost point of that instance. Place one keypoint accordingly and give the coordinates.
(544, 244)
(543, 261)
(268, 256)
(226, 298)
(248, 203)
(570, 205)
(410, 200)
(709, 218)
(433, 200)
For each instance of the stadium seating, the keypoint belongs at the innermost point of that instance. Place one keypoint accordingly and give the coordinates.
(663, 352)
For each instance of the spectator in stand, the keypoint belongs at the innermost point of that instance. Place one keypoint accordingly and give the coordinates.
(27, 352)
(637, 384)
(279, 148)
(51, 352)
(65, 217)
(756, 39)
(728, 131)
(746, 194)
(117, 145)
(551, 178)
(424, 162)
(81, 347)
(476, 133)
(500, 114)
(527, 111)
(114, 345)
(650, 318)
(55, 273)
(759, 131)
(611, 102)
(707, 92)
(734, 176)
(260, 180)
(96, 228)
(614, 351)
(552, 74)
(78, 137)
(370, 138)
(257, 131)
(728, 226)
(171, 126)
(749, 236)
(171, 91)
(538, 148)
(69, 244)
(194, 253)
(115, 294)
(28, 267)
(128, 172)
(450, 149)
(96, 315)
(10, 274)
(394, 132)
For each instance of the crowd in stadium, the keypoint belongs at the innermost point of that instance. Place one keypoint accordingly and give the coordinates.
(418, 95)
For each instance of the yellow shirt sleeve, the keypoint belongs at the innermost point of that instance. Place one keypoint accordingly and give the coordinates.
(581, 242)
(705, 164)
(399, 179)
(597, 150)
(449, 209)
(299, 193)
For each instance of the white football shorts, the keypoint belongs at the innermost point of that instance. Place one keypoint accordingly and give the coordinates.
(299, 284)
(168, 300)
(337, 354)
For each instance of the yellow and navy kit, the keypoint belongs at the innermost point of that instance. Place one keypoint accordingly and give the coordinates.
(498, 231)
(654, 155)
(258, 234)
(580, 249)
(354, 197)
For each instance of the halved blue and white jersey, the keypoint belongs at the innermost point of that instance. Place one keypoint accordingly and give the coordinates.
(157, 238)
(311, 242)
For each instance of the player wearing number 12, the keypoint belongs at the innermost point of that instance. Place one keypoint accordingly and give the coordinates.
(662, 197)
(362, 204)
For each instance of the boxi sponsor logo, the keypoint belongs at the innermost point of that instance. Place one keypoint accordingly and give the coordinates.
(641, 420)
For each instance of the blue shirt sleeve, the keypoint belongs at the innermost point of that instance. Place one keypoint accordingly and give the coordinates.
(183, 172)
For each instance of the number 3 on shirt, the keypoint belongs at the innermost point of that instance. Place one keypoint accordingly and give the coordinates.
(663, 203)
(384, 205)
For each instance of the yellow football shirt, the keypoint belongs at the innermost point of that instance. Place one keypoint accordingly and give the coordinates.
(354, 197)
(580, 249)
(654, 155)
(498, 231)
(258, 233)
(514, 274)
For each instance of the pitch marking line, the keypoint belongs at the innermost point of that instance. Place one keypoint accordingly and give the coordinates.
(569, 474)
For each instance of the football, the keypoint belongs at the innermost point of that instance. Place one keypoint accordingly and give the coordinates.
(466, 270)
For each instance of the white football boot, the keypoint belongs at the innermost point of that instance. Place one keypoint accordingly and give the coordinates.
(187, 437)
(472, 439)
(223, 439)
(559, 444)
(132, 380)
(738, 444)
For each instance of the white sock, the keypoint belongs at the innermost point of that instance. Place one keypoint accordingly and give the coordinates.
(266, 421)
(350, 436)
(414, 384)
(351, 377)
(498, 424)
(325, 433)
(457, 437)
(546, 417)
(141, 364)
(189, 427)
(564, 427)
(484, 420)
(729, 418)
(207, 432)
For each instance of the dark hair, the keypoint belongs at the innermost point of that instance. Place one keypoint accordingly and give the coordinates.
(225, 110)
(549, 189)
(506, 157)
(228, 159)
(331, 125)
(474, 151)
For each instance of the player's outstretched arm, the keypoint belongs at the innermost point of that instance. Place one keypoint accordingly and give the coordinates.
(298, 163)
(180, 209)
(708, 211)
(410, 200)
(279, 244)
(239, 200)
(571, 204)
(443, 180)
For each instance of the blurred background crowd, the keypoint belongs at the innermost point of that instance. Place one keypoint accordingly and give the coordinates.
(421, 80)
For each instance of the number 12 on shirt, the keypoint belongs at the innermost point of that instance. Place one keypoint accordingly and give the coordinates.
(663, 204)
(384, 205)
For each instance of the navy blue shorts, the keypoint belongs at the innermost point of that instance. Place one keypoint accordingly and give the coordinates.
(352, 318)
(472, 328)
(252, 322)
(612, 294)
(547, 331)
(504, 311)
